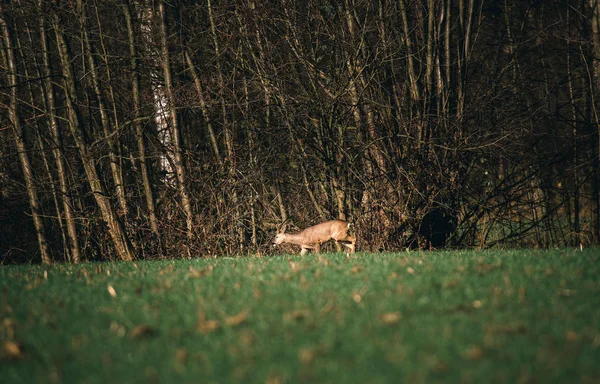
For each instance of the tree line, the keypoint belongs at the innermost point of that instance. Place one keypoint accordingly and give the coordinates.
(146, 128)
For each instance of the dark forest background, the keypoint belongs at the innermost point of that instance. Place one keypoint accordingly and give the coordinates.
(143, 129)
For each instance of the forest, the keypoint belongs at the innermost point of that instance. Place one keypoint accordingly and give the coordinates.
(142, 129)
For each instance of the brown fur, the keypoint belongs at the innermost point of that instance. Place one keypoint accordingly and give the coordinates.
(313, 237)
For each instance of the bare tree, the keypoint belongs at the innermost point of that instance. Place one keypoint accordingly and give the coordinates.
(120, 240)
(13, 83)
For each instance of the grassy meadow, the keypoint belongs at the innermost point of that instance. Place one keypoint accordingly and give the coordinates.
(461, 316)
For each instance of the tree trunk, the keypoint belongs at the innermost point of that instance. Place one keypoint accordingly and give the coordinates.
(57, 147)
(200, 92)
(109, 215)
(109, 132)
(139, 130)
(176, 133)
(594, 84)
(17, 129)
(227, 131)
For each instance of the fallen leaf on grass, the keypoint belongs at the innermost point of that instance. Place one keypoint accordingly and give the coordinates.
(208, 326)
(295, 267)
(181, 356)
(410, 270)
(12, 351)
(9, 326)
(297, 315)
(330, 306)
(451, 284)
(571, 336)
(195, 273)
(481, 267)
(168, 269)
(357, 269)
(112, 291)
(274, 378)
(117, 328)
(237, 319)
(567, 292)
(308, 355)
(390, 317)
(475, 353)
(142, 331)
(596, 342)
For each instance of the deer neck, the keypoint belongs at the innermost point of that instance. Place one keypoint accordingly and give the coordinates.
(294, 238)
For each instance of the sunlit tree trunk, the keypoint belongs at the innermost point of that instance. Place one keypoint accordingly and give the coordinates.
(34, 203)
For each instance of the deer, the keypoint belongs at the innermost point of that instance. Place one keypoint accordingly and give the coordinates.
(313, 237)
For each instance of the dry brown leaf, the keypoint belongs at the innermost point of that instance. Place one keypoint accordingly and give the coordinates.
(237, 319)
(596, 342)
(410, 270)
(181, 355)
(567, 292)
(195, 273)
(330, 306)
(112, 291)
(142, 331)
(390, 317)
(9, 326)
(571, 336)
(295, 267)
(274, 379)
(481, 267)
(297, 315)
(475, 353)
(357, 269)
(12, 350)
(208, 326)
(306, 355)
(168, 269)
(522, 294)
(309, 354)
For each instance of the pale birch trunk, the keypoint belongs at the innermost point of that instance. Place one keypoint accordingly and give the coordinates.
(180, 170)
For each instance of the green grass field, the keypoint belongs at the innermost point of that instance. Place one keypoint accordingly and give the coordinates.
(476, 316)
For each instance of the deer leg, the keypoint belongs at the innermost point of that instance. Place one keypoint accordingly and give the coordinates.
(304, 251)
(317, 248)
(349, 242)
(350, 246)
